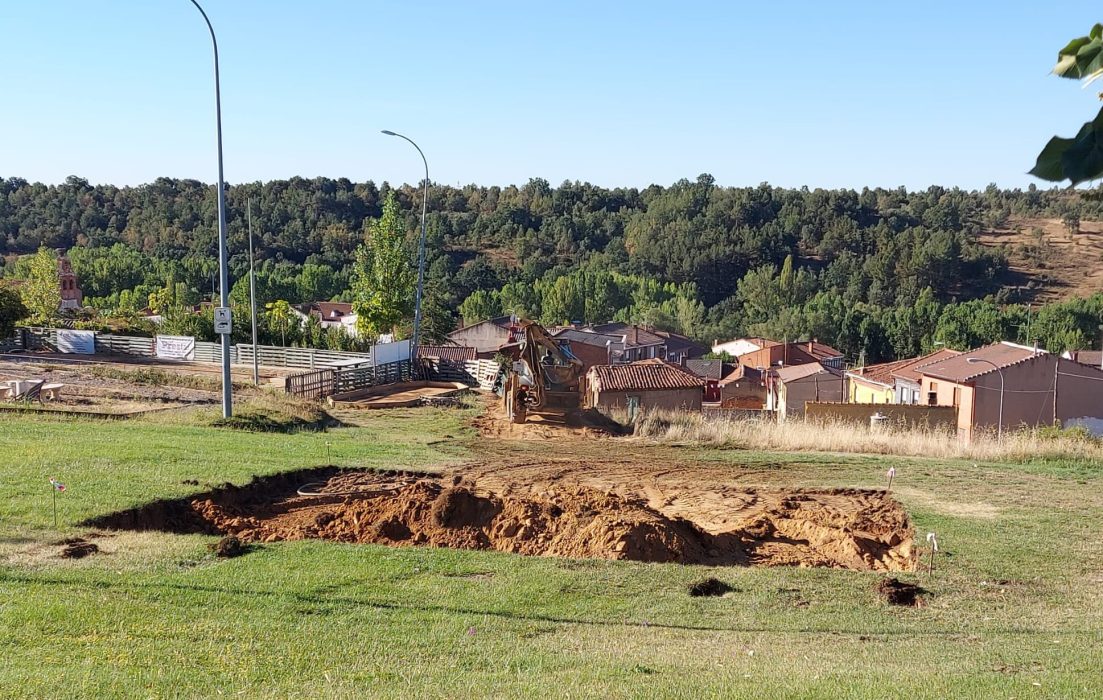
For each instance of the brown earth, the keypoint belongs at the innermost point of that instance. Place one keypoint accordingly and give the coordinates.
(1060, 263)
(545, 425)
(519, 509)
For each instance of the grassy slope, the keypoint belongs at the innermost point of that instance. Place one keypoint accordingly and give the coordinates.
(158, 617)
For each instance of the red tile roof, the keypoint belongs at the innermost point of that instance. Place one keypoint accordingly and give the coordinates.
(795, 372)
(648, 375)
(449, 353)
(958, 369)
(910, 371)
(1091, 358)
(885, 372)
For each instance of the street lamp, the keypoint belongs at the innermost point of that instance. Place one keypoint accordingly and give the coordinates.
(420, 247)
(978, 360)
(223, 262)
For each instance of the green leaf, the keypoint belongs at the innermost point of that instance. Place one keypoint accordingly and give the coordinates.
(1082, 56)
(1078, 159)
(1083, 160)
(1048, 165)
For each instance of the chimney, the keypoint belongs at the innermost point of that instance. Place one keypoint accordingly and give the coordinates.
(810, 343)
(1035, 347)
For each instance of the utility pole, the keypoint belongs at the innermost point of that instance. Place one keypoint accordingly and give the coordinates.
(223, 321)
(252, 290)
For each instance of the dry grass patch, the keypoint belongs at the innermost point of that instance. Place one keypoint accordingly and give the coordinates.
(801, 436)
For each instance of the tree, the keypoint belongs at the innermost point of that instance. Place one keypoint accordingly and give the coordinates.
(382, 277)
(40, 292)
(1080, 158)
(479, 306)
(12, 311)
(279, 316)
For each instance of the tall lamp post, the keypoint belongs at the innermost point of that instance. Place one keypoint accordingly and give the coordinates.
(420, 248)
(981, 361)
(223, 262)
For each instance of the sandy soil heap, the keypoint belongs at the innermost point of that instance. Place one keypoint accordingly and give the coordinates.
(865, 530)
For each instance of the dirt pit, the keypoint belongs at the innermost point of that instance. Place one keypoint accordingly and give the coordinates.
(838, 528)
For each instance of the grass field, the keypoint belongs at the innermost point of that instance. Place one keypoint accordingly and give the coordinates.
(1015, 610)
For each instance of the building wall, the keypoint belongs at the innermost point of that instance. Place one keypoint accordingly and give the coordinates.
(744, 393)
(589, 354)
(667, 399)
(1028, 397)
(868, 392)
(818, 387)
(908, 393)
(483, 336)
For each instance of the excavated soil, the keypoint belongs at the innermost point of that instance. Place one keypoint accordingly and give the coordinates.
(547, 425)
(838, 528)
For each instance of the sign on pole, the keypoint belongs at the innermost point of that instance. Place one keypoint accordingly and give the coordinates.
(222, 320)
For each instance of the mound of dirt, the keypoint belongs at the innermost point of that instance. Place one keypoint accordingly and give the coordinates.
(547, 425)
(575, 521)
(228, 547)
(896, 592)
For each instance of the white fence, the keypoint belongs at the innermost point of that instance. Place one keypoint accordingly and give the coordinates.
(267, 355)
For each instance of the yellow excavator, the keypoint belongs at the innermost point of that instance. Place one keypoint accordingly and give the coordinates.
(543, 377)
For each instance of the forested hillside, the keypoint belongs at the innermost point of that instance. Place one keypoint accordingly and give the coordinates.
(878, 273)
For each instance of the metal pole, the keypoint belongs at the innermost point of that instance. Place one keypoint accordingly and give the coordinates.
(420, 248)
(223, 255)
(999, 428)
(252, 290)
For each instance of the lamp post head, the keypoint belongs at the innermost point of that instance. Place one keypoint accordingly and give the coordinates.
(972, 360)
(389, 133)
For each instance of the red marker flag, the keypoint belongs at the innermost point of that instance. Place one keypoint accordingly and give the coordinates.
(58, 486)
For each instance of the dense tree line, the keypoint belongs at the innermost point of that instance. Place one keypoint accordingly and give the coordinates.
(877, 272)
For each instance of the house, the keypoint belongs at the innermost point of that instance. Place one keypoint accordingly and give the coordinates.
(487, 336)
(631, 342)
(789, 388)
(909, 381)
(331, 314)
(711, 371)
(640, 343)
(891, 382)
(71, 296)
(590, 347)
(680, 348)
(743, 387)
(650, 384)
(1011, 385)
(774, 354)
(741, 346)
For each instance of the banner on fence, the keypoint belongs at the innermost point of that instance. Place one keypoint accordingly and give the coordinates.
(175, 347)
(79, 342)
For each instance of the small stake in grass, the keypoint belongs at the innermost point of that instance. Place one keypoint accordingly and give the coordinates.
(55, 487)
(934, 548)
(327, 452)
(891, 473)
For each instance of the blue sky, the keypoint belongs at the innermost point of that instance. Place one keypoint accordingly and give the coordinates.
(614, 93)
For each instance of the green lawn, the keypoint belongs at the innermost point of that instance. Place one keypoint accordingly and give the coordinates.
(1016, 609)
